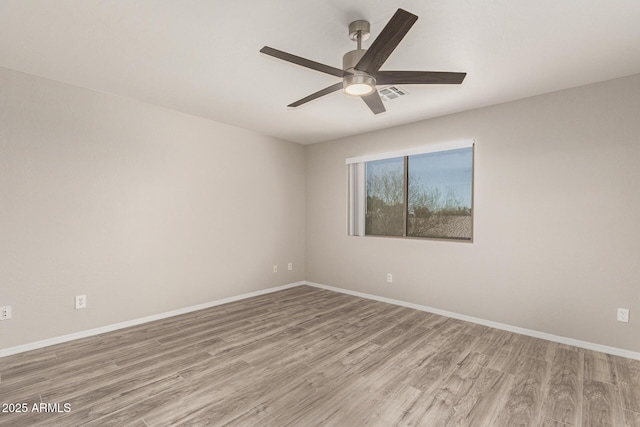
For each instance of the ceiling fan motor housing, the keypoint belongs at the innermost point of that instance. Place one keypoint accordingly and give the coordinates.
(349, 61)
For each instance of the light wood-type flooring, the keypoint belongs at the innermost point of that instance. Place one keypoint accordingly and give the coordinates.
(311, 357)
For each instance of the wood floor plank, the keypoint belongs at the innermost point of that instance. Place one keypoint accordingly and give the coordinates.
(478, 407)
(599, 367)
(286, 406)
(522, 403)
(628, 374)
(552, 423)
(256, 416)
(106, 349)
(81, 393)
(107, 412)
(232, 398)
(535, 347)
(15, 419)
(493, 341)
(306, 356)
(631, 419)
(521, 366)
(383, 388)
(602, 406)
(18, 391)
(391, 408)
(442, 404)
(156, 410)
(21, 365)
(326, 390)
(439, 365)
(481, 405)
(404, 325)
(564, 398)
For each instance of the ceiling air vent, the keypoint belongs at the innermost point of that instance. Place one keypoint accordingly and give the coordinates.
(391, 92)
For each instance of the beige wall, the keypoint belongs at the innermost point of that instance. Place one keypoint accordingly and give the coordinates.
(146, 210)
(556, 237)
(142, 209)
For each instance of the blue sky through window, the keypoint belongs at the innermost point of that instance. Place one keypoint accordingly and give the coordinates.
(445, 170)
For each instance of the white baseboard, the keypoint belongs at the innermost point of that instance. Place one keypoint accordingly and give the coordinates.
(104, 329)
(536, 334)
(516, 329)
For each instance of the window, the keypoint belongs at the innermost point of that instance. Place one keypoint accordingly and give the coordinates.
(426, 193)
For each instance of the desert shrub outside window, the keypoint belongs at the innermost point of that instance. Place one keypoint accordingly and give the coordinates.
(419, 193)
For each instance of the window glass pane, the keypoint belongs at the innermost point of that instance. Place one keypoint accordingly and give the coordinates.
(439, 194)
(385, 197)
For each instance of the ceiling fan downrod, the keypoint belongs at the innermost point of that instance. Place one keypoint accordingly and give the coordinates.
(357, 83)
(359, 31)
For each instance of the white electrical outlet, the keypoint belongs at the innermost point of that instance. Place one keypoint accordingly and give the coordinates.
(5, 312)
(623, 315)
(290, 266)
(81, 301)
(389, 277)
(275, 268)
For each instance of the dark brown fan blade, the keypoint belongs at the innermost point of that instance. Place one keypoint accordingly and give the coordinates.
(418, 77)
(374, 102)
(318, 94)
(302, 61)
(392, 34)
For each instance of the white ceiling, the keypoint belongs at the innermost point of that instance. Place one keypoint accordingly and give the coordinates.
(201, 56)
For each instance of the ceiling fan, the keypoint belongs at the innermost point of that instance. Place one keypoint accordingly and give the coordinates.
(360, 71)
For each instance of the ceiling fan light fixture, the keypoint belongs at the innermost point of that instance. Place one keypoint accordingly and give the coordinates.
(358, 84)
(358, 89)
